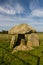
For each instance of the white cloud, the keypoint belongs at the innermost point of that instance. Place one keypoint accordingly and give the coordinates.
(7, 11)
(37, 12)
(12, 10)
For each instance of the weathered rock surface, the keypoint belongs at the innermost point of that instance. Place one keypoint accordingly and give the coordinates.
(33, 40)
(13, 41)
(21, 29)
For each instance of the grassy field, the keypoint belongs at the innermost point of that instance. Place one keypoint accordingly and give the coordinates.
(33, 57)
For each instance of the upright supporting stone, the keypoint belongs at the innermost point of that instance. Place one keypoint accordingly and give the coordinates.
(33, 40)
(13, 41)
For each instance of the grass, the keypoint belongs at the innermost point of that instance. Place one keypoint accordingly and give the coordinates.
(19, 57)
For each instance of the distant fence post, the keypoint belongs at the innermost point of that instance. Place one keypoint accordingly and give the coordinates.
(38, 61)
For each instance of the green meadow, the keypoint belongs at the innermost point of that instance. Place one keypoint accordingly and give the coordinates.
(33, 57)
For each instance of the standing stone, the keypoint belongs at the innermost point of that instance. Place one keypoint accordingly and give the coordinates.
(33, 40)
(13, 41)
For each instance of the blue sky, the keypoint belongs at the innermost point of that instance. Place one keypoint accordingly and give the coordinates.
(14, 12)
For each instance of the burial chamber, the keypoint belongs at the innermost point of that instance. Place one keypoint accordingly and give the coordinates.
(24, 37)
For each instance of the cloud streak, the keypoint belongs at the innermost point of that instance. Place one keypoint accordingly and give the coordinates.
(18, 9)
